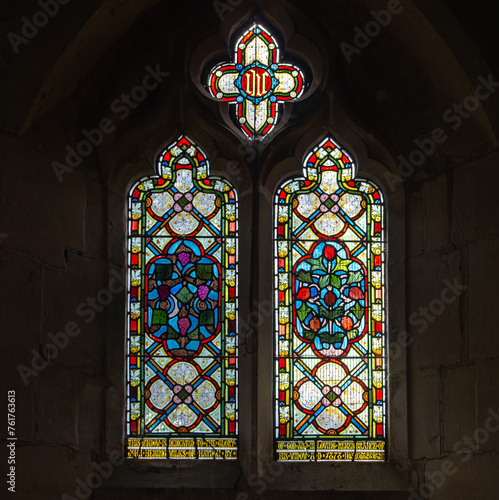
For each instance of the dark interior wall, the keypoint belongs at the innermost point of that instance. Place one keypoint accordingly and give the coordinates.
(62, 233)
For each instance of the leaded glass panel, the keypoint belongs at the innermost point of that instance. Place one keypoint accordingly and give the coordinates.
(182, 384)
(330, 315)
(256, 83)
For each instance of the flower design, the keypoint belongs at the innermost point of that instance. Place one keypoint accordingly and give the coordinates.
(135, 411)
(231, 277)
(377, 343)
(230, 411)
(378, 413)
(282, 248)
(230, 310)
(175, 151)
(321, 153)
(376, 312)
(376, 213)
(331, 396)
(283, 281)
(134, 377)
(329, 299)
(283, 315)
(135, 277)
(205, 203)
(336, 153)
(230, 345)
(292, 187)
(283, 214)
(283, 347)
(166, 171)
(366, 188)
(376, 248)
(135, 344)
(230, 377)
(183, 292)
(230, 212)
(221, 186)
(231, 246)
(283, 414)
(378, 379)
(145, 186)
(184, 395)
(329, 203)
(136, 210)
(283, 381)
(202, 173)
(135, 310)
(136, 245)
(183, 202)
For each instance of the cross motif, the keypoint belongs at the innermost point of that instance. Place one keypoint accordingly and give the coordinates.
(256, 83)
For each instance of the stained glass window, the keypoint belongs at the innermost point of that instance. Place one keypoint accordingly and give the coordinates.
(330, 364)
(182, 384)
(256, 83)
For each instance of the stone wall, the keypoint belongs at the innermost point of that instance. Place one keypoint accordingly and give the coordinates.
(54, 260)
(62, 246)
(453, 358)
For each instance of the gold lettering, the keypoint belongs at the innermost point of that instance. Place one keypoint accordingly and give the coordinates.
(256, 83)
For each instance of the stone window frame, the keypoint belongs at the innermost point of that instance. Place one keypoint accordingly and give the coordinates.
(256, 457)
(151, 473)
(349, 476)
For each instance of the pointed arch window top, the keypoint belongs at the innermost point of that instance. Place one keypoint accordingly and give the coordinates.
(182, 154)
(256, 82)
(328, 156)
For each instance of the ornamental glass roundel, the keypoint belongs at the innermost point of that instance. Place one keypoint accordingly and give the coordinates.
(182, 316)
(330, 362)
(256, 83)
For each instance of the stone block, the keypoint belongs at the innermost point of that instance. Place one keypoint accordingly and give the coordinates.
(487, 390)
(76, 302)
(398, 426)
(23, 427)
(117, 230)
(90, 414)
(50, 372)
(95, 227)
(47, 472)
(433, 313)
(462, 476)
(116, 316)
(458, 404)
(21, 304)
(474, 193)
(436, 217)
(415, 224)
(56, 415)
(483, 296)
(424, 414)
(115, 420)
(42, 216)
